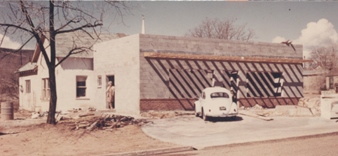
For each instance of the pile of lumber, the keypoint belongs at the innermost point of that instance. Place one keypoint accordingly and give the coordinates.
(105, 122)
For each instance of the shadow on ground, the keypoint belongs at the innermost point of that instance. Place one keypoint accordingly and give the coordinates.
(227, 119)
(1, 133)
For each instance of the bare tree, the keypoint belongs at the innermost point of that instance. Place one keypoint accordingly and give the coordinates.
(44, 20)
(325, 57)
(221, 29)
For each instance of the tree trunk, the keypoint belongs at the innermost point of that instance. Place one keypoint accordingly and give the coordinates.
(53, 97)
(51, 67)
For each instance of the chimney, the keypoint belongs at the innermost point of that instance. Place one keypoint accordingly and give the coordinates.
(143, 28)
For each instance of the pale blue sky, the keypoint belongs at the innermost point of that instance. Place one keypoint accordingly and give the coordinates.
(268, 19)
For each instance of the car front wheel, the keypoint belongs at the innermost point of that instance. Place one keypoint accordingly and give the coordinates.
(205, 118)
(196, 113)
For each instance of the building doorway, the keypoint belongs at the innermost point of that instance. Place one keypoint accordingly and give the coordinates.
(110, 78)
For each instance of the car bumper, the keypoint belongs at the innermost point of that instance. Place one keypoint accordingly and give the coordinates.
(222, 114)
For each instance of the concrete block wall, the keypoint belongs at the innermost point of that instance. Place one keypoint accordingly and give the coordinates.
(121, 58)
(174, 44)
(65, 42)
(153, 83)
(155, 71)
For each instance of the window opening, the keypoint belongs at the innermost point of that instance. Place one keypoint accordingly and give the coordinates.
(81, 86)
(45, 89)
(28, 86)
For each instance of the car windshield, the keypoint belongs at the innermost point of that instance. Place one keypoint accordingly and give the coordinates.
(219, 95)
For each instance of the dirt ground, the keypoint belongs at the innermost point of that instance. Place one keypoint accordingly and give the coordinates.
(24, 136)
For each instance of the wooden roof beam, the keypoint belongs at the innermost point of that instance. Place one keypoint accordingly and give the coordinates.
(222, 58)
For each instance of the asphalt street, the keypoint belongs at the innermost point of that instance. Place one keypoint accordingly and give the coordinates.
(319, 145)
(193, 131)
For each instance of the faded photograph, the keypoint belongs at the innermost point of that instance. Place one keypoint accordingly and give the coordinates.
(180, 78)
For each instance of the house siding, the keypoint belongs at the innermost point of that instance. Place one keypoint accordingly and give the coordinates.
(28, 101)
(66, 90)
(66, 86)
(80, 64)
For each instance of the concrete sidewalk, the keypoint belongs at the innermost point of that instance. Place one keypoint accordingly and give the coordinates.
(193, 131)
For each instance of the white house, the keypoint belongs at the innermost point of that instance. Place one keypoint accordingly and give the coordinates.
(77, 83)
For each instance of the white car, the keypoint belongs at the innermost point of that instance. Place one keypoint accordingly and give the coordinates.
(216, 102)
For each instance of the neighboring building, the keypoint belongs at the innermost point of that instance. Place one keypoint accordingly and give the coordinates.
(331, 81)
(155, 72)
(314, 80)
(10, 61)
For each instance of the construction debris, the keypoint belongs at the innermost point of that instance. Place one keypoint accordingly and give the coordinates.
(165, 114)
(35, 115)
(87, 114)
(252, 114)
(105, 122)
(257, 107)
(313, 103)
(91, 109)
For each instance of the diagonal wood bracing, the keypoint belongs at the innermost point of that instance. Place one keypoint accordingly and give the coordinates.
(277, 83)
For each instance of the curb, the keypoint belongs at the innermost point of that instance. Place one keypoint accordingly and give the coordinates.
(154, 152)
(273, 140)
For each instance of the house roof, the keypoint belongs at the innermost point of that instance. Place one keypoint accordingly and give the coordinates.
(27, 67)
(66, 42)
(37, 50)
(206, 46)
(221, 58)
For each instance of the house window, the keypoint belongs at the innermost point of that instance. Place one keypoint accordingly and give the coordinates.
(81, 86)
(28, 86)
(99, 81)
(45, 89)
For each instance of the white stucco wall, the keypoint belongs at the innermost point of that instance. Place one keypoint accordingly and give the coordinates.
(30, 100)
(66, 86)
(120, 57)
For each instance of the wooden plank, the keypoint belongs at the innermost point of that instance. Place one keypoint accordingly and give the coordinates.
(222, 58)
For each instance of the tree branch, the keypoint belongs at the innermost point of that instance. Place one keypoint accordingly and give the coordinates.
(88, 25)
(3, 36)
(18, 48)
(16, 26)
(68, 23)
(226, 29)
